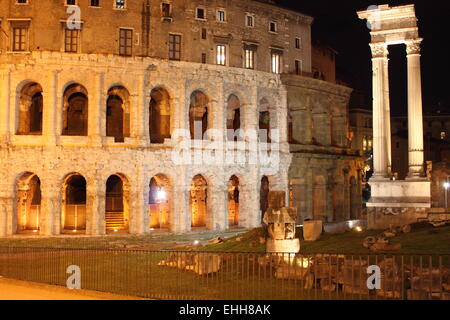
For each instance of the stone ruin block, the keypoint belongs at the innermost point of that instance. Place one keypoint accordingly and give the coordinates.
(312, 230)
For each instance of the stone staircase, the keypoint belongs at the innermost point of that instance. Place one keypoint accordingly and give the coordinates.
(114, 221)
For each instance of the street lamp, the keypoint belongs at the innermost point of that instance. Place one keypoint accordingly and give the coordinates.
(446, 187)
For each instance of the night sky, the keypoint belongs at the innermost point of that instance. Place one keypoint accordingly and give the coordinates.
(337, 25)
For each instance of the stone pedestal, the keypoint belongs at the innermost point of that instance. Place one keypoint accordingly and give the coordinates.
(283, 246)
(400, 194)
(312, 230)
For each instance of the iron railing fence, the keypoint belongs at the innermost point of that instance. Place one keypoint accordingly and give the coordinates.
(174, 275)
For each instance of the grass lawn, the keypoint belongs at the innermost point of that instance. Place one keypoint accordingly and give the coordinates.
(421, 240)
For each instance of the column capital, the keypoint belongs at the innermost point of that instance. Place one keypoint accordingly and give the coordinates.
(413, 46)
(379, 50)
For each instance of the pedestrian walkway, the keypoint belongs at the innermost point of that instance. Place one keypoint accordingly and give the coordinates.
(21, 290)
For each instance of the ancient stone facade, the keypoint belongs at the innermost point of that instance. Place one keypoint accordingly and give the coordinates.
(89, 118)
(326, 174)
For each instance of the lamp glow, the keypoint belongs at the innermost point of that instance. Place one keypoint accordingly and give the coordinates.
(447, 185)
(161, 195)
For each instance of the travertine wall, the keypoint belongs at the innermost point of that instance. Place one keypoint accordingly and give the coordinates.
(325, 175)
(52, 157)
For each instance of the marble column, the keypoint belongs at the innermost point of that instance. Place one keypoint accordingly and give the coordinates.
(380, 141)
(415, 119)
(50, 208)
(181, 221)
(95, 215)
(387, 115)
(219, 212)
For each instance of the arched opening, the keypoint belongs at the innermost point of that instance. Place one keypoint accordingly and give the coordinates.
(30, 110)
(75, 111)
(116, 206)
(233, 201)
(353, 199)
(264, 196)
(159, 121)
(233, 116)
(198, 114)
(158, 202)
(198, 201)
(28, 195)
(264, 120)
(118, 114)
(74, 204)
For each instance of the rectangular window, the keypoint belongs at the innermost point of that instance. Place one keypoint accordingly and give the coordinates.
(221, 16)
(119, 4)
(204, 33)
(71, 2)
(94, 3)
(298, 43)
(22, 1)
(273, 27)
(200, 13)
(203, 58)
(166, 10)
(249, 58)
(126, 42)
(298, 67)
(249, 21)
(19, 37)
(71, 40)
(276, 61)
(221, 55)
(174, 47)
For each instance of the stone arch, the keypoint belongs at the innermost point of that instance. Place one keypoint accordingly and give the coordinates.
(28, 200)
(73, 217)
(267, 118)
(118, 113)
(199, 201)
(234, 118)
(75, 110)
(233, 201)
(117, 203)
(264, 195)
(354, 201)
(160, 115)
(31, 104)
(199, 110)
(319, 196)
(159, 202)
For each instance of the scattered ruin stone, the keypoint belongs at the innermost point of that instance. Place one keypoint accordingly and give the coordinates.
(369, 241)
(216, 240)
(238, 239)
(201, 264)
(281, 223)
(406, 228)
(388, 234)
(312, 230)
(262, 240)
(381, 246)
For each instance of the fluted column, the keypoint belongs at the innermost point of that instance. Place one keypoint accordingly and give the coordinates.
(380, 141)
(415, 118)
(387, 115)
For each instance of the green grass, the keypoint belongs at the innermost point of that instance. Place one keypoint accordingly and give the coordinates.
(423, 240)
